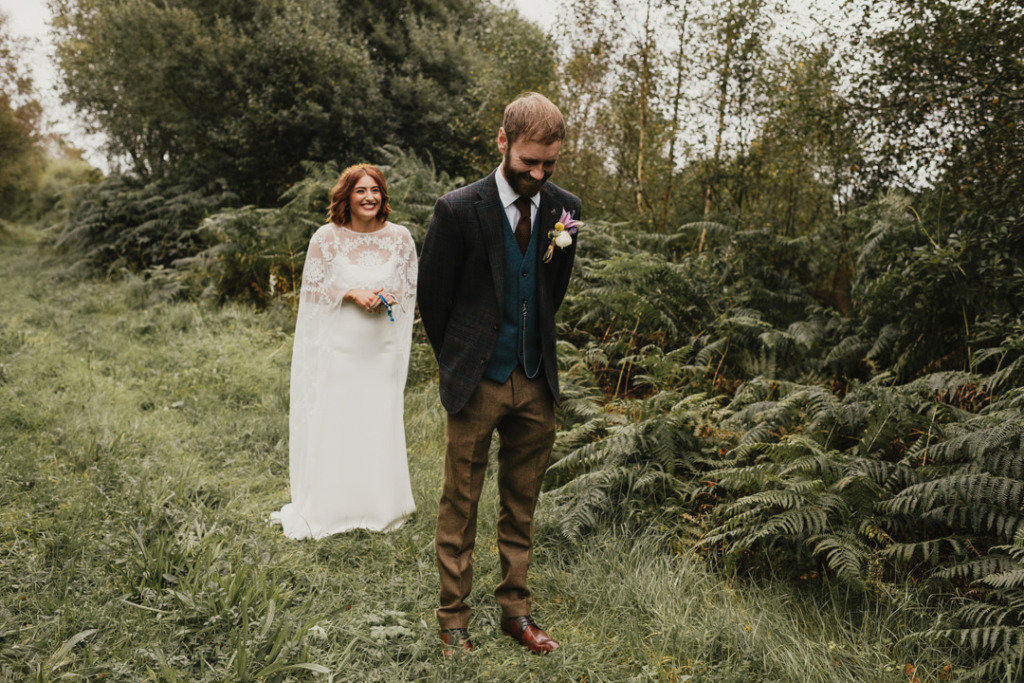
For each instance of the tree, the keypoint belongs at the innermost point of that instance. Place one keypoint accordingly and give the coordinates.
(614, 85)
(21, 152)
(586, 80)
(515, 56)
(234, 91)
(737, 33)
(799, 170)
(946, 85)
(679, 60)
(245, 91)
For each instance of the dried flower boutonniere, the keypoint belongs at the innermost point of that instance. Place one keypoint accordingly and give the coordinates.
(561, 237)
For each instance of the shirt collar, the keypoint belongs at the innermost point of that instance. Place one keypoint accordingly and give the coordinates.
(507, 195)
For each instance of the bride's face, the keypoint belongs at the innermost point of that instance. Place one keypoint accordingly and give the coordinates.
(364, 202)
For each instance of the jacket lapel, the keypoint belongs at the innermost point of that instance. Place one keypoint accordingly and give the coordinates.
(548, 217)
(489, 213)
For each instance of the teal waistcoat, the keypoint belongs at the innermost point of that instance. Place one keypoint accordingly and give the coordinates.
(519, 336)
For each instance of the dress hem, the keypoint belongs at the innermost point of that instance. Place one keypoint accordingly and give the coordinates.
(402, 518)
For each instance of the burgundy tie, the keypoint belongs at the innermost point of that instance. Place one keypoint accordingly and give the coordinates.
(523, 224)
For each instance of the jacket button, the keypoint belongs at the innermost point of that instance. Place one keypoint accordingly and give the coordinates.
(524, 273)
(495, 328)
(483, 361)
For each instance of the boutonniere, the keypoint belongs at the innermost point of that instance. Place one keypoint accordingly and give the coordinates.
(562, 235)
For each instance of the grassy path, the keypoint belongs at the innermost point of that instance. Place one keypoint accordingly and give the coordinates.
(142, 445)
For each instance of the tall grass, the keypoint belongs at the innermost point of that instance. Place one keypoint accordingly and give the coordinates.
(142, 445)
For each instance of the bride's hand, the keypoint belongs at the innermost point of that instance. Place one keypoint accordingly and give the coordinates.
(364, 298)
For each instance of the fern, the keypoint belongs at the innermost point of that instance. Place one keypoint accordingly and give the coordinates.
(606, 472)
(845, 554)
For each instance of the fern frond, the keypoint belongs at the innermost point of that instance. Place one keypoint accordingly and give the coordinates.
(1009, 579)
(804, 521)
(844, 554)
(929, 551)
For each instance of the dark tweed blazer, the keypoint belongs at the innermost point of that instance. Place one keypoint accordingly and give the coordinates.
(462, 283)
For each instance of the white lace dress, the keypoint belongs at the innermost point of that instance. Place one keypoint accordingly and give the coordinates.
(347, 458)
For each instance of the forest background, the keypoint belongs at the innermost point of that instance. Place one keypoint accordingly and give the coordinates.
(792, 351)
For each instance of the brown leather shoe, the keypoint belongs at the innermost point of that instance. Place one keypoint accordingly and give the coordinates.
(454, 638)
(528, 634)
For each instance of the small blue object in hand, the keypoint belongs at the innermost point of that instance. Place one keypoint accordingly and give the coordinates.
(384, 301)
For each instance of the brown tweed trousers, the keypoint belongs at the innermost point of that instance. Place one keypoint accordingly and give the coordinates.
(522, 412)
(461, 286)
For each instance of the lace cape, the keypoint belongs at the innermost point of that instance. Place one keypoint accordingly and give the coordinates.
(335, 340)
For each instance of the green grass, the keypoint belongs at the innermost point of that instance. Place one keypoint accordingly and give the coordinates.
(142, 446)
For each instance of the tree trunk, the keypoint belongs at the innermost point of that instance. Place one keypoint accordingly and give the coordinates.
(725, 69)
(645, 78)
(676, 97)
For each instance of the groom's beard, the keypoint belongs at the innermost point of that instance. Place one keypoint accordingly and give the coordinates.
(522, 182)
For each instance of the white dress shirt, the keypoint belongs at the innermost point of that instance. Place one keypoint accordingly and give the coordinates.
(508, 197)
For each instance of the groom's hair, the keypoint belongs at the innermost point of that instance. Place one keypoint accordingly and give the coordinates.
(338, 212)
(533, 118)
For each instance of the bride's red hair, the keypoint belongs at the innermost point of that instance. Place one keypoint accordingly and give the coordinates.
(338, 212)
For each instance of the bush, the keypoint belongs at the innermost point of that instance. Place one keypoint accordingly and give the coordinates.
(61, 187)
(122, 223)
(252, 254)
(879, 445)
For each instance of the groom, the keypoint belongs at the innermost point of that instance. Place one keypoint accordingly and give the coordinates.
(488, 299)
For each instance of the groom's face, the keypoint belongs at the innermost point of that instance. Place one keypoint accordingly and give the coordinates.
(527, 164)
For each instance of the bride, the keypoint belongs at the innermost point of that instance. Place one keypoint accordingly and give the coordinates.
(347, 458)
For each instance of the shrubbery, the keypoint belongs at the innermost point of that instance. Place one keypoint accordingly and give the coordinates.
(214, 248)
(711, 390)
(122, 223)
(254, 254)
(61, 188)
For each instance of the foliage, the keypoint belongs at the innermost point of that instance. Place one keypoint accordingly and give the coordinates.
(616, 466)
(232, 91)
(136, 544)
(767, 343)
(799, 169)
(946, 82)
(254, 255)
(991, 626)
(193, 245)
(242, 93)
(414, 184)
(885, 481)
(21, 149)
(123, 223)
(60, 189)
(924, 283)
(684, 111)
(877, 445)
